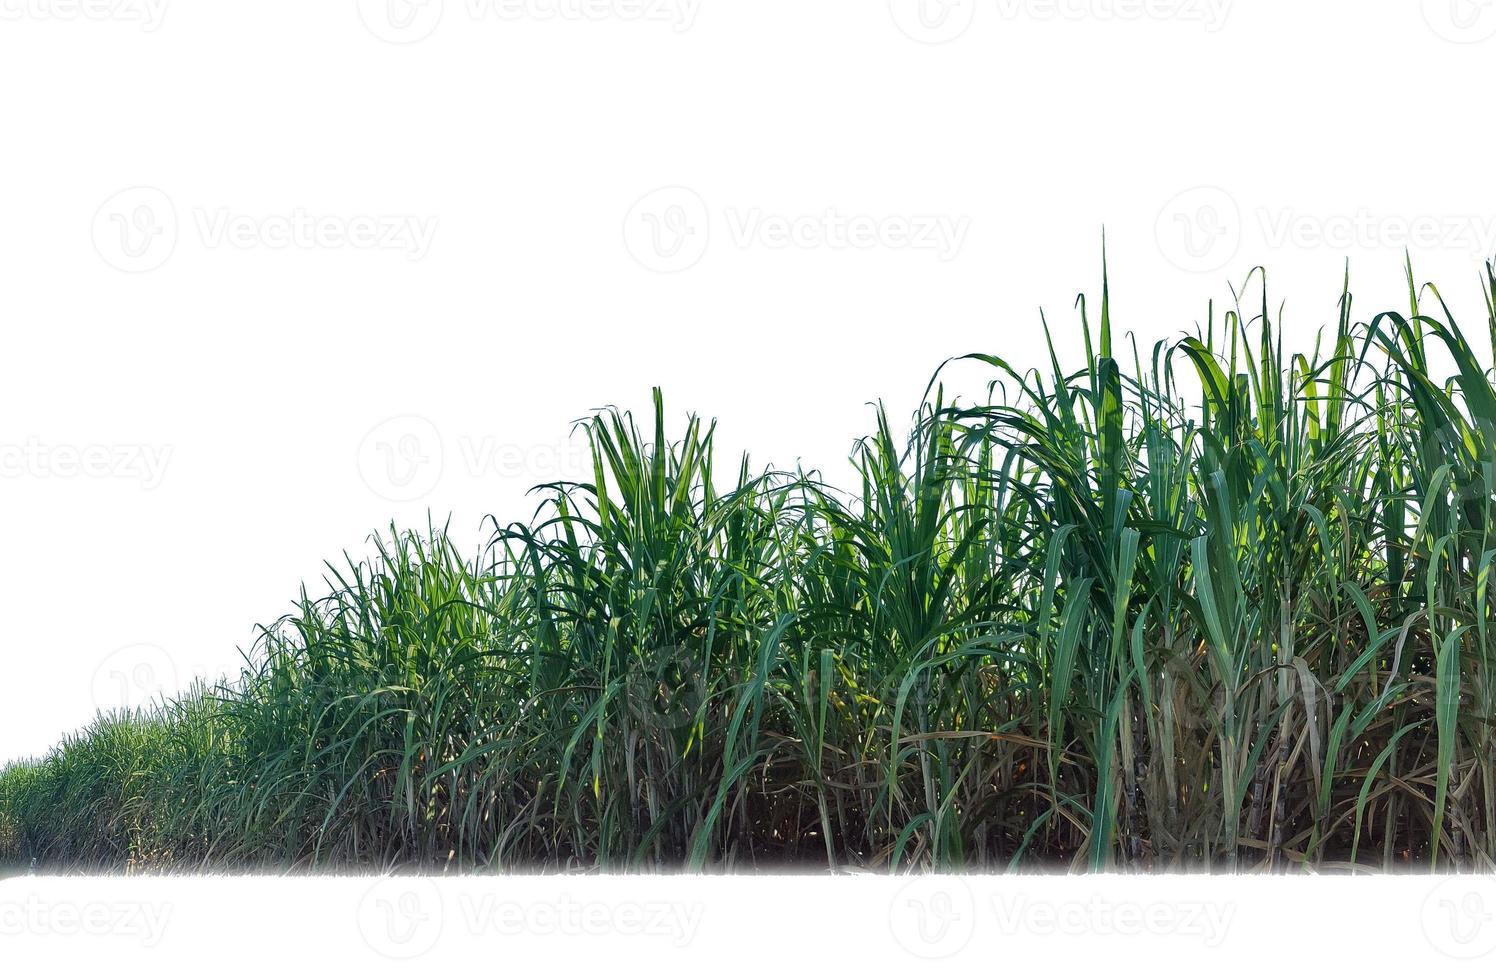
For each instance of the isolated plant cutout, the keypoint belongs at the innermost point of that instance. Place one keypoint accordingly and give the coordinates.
(1209, 603)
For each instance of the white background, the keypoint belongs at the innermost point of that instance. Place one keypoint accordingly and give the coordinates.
(181, 445)
(278, 273)
(657, 927)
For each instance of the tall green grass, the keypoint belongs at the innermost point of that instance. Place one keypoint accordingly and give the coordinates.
(1209, 604)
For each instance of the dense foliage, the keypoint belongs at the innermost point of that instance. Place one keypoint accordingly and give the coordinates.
(1210, 605)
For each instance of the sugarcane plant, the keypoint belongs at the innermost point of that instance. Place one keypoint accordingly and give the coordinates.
(1209, 604)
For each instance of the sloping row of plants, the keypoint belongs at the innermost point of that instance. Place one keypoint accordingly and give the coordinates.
(1206, 604)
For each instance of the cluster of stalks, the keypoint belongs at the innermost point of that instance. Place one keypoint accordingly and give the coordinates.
(1209, 606)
